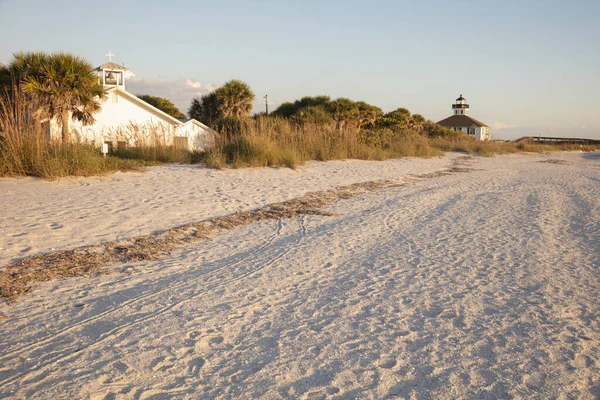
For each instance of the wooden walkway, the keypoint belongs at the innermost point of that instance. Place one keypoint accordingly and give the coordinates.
(556, 140)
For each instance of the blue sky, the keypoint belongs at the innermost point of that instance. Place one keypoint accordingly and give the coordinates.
(524, 66)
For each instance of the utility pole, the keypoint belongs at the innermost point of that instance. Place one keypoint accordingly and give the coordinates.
(267, 104)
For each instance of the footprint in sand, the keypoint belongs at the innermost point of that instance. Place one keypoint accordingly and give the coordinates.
(314, 396)
(567, 337)
(161, 364)
(581, 361)
(195, 365)
(208, 342)
(120, 366)
(25, 250)
(387, 362)
(194, 334)
(534, 380)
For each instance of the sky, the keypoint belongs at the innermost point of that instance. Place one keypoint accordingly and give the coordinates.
(525, 67)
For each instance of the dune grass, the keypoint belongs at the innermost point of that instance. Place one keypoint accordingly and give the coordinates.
(52, 160)
(159, 154)
(259, 142)
(278, 142)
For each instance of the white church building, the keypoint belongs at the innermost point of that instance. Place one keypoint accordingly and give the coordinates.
(126, 120)
(460, 121)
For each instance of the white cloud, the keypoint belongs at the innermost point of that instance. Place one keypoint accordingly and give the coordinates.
(194, 84)
(501, 125)
(180, 92)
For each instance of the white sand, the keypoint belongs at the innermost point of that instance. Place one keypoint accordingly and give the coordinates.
(38, 216)
(476, 285)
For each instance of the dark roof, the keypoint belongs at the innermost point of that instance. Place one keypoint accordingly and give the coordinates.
(113, 66)
(460, 98)
(460, 121)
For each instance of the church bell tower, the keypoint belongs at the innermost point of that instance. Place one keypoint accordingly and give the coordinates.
(112, 75)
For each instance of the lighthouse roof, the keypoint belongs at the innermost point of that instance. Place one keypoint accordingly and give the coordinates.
(461, 98)
(461, 121)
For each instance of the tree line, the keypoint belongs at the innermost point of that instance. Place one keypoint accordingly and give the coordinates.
(64, 86)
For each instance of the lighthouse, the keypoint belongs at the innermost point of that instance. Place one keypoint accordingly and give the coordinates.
(460, 107)
(459, 121)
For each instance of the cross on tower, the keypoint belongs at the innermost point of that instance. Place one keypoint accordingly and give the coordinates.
(110, 55)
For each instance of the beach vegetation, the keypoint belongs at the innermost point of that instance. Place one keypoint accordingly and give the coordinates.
(65, 87)
(38, 88)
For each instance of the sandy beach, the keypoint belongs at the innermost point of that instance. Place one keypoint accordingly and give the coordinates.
(482, 284)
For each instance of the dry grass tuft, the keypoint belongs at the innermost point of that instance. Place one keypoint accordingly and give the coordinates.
(553, 161)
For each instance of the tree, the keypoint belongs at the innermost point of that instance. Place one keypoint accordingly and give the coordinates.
(235, 99)
(13, 75)
(289, 109)
(162, 104)
(313, 101)
(22, 66)
(416, 122)
(66, 87)
(343, 111)
(205, 109)
(285, 110)
(396, 120)
(312, 114)
(367, 114)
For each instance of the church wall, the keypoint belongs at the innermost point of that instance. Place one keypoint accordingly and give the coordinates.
(199, 138)
(121, 120)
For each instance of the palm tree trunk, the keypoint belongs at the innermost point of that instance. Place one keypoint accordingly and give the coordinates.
(65, 127)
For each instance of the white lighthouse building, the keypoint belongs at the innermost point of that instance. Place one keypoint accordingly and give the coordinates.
(460, 121)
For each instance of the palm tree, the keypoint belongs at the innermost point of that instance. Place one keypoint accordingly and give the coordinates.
(13, 75)
(66, 87)
(416, 122)
(22, 66)
(343, 111)
(235, 99)
(205, 109)
(367, 114)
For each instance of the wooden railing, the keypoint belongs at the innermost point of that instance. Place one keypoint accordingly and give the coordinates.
(557, 140)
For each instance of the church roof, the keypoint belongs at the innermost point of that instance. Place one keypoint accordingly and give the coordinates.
(196, 122)
(159, 113)
(460, 121)
(113, 66)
